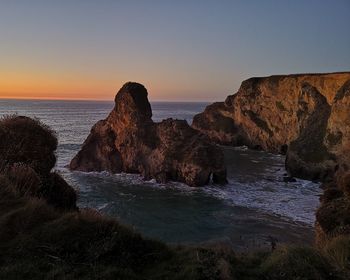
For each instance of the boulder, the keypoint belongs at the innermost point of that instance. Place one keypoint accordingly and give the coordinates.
(129, 141)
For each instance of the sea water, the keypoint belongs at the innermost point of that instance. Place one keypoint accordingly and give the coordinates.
(255, 206)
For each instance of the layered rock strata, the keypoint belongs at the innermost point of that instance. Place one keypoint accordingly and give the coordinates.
(306, 116)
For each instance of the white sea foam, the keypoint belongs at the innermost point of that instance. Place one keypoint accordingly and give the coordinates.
(293, 201)
(173, 211)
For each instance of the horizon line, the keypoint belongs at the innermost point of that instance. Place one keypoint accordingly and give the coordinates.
(96, 100)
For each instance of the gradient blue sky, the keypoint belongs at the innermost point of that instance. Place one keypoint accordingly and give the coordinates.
(180, 50)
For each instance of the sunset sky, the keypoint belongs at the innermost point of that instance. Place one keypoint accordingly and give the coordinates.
(180, 50)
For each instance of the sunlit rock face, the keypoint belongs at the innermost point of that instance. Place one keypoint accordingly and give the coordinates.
(305, 116)
(129, 141)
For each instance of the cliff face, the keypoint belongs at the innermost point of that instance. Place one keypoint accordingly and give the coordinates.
(304, 115)
(129, 141)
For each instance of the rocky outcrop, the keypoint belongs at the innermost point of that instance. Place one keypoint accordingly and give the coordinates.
(308, 156)
(27, 156)
(303, 115)
(129, 141)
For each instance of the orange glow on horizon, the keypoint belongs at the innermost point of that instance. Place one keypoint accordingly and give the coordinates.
(28, 78)
(81, 90)
(60, 85)
(19, 97)
(31, 87)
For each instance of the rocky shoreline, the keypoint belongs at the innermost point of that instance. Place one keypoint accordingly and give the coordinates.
(43, 234)
(306, 117)
(303, 115)
(129, 141)
(43, 231)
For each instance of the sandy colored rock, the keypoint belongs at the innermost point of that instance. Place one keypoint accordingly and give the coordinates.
(304, 114)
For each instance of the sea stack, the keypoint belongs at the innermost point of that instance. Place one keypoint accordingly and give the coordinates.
(305, 116)
(129, 141)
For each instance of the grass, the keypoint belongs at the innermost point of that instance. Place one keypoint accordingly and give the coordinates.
(39, 240)
(338, 252)
(43, 235)
(334, 216)
(297, 263)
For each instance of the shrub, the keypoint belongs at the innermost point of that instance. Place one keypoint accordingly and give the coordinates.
(297, 263)
(24, 180)
(58, 193)
(24, 217)
(28, 141)
(337, 252)
(334, 216)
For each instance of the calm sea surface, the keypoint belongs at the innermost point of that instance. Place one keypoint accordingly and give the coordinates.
(253, 206)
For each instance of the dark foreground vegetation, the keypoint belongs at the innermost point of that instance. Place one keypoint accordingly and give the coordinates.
(43, 235)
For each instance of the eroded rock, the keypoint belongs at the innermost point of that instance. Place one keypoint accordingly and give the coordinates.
(305, 116)
(129, 141)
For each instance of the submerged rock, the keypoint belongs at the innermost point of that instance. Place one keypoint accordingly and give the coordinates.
(129, 141)
(305, 116)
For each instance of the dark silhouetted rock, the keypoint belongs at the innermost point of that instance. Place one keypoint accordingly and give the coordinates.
(129, 141)
(27, 155)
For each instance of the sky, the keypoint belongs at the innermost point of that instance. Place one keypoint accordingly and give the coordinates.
(181, 50)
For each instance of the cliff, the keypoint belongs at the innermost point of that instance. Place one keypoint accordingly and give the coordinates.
(129, 141)
(303, 115)
(43, 235)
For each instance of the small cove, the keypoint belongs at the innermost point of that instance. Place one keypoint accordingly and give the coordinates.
(255, 205)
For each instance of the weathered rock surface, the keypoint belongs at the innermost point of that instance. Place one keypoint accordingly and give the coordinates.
(129, 141)
(304, 115)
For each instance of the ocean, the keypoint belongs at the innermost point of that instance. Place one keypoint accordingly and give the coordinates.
(253, 207)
